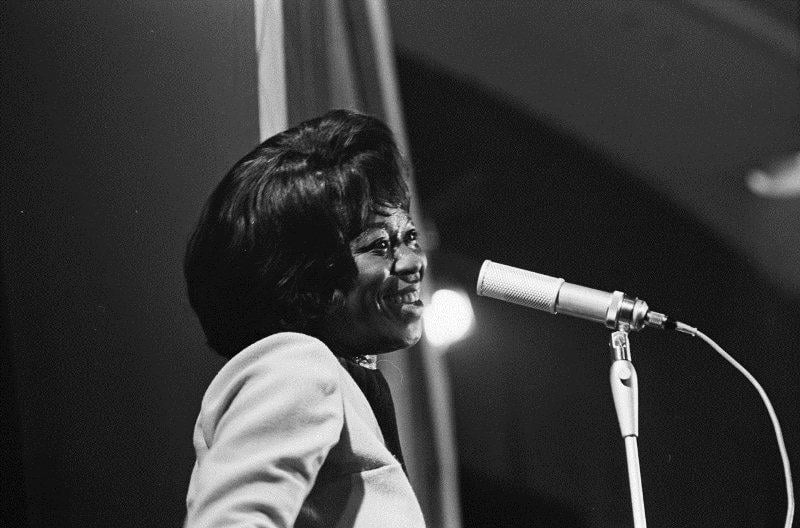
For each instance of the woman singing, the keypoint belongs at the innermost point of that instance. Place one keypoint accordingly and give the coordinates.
(304, 264)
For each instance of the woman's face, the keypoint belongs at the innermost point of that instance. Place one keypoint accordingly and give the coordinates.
(383, 310)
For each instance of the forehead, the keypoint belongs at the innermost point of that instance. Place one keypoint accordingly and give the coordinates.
(392, 218)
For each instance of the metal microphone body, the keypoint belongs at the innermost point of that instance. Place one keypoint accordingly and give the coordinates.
(554, 295)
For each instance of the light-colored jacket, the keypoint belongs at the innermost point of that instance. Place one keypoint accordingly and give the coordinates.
(284, 438)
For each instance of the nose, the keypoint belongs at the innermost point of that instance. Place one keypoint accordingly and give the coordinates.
(409, 264)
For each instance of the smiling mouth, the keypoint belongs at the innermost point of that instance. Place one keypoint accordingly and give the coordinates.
(406, 298)
(404, 305)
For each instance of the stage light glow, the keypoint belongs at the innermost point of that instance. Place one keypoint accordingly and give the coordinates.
(448, 317)
(780, 179)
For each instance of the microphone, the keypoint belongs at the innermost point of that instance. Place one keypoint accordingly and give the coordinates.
(554, 295)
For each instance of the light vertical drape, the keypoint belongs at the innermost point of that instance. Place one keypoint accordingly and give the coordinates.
(314, 56)
(272, 116)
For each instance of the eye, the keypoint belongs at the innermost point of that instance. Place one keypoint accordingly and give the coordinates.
(411, 236)
(380, 246)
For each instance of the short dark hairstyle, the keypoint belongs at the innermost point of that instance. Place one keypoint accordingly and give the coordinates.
(271, 249)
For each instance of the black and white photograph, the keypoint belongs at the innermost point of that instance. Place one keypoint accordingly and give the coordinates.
(400, 263)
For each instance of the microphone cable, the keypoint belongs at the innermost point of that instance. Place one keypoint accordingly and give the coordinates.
(554, 295)
(692, 331)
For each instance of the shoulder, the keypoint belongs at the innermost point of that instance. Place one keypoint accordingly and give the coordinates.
(267, 423)
(285, 352)
(289, 348)
(284, 366)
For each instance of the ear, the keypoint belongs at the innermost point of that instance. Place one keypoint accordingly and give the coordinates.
(337, 301)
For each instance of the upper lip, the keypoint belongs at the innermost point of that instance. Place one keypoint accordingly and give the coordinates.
(408, 289)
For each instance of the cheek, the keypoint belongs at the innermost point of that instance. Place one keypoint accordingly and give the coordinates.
(368, 291)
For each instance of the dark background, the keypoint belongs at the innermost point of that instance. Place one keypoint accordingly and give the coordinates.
(610, 143)
(120, 118)
(537, 433)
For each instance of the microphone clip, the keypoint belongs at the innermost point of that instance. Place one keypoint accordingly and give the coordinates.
(631, 312)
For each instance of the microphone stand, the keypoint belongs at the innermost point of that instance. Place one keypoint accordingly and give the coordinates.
(625, 389)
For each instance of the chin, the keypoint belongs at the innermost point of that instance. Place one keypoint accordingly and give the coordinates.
(408, 337)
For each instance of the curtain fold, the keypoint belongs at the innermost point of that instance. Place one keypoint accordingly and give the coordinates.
(314, 56)
(272, 115)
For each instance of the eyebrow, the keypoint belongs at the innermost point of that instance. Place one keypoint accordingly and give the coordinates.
(381, 225)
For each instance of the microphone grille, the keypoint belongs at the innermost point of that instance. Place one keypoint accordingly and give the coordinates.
(518, 286)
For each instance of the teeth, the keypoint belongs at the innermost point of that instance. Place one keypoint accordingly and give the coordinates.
(411, 297)
(407, 298)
